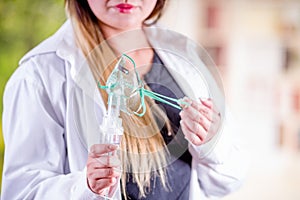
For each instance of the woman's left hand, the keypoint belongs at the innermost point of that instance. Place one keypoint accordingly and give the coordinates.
(200, 120)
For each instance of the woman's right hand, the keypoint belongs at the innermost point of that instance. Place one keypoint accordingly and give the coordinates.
(103, 168)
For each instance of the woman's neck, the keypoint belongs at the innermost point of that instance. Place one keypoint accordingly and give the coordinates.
(143, 59)
(109, 31)
(127, 40)
(134, 43)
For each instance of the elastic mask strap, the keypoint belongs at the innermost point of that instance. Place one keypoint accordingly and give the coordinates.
(143, 105)
(104, 87)
(163, 99)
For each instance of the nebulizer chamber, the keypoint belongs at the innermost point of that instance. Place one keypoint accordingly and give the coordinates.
(111, 127)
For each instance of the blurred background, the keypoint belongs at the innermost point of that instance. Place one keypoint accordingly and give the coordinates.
(256, 47)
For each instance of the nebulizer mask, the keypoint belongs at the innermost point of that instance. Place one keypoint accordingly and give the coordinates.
(126, 91)
(121, 87)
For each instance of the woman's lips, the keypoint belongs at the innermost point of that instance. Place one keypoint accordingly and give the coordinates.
(124, 7)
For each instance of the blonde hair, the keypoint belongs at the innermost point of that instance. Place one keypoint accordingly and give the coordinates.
(144, 152)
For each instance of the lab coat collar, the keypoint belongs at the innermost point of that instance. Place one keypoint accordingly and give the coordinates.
(55, 43)
(63, 44)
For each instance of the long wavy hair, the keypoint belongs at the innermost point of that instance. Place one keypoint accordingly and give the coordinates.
(144, 156)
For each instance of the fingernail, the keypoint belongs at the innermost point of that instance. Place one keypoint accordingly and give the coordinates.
(113, 180)
(112, 147)
(186, 98)
(92, 149)
(186, 138)
(185, 102)
(189, 100)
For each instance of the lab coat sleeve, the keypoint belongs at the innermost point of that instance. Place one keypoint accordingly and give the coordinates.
(35, 149)
(222, 167)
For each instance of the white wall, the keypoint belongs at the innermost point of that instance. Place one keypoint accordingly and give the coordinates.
(182, 16)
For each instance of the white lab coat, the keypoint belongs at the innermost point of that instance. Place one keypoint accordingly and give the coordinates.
(52, 112)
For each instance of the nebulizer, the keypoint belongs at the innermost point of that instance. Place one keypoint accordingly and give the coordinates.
(126, 93)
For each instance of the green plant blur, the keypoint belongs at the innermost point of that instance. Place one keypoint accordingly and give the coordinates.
(23, 24)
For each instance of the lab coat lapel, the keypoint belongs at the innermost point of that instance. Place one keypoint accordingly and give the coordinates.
(175, 52)
(88, 105)
(80, 71)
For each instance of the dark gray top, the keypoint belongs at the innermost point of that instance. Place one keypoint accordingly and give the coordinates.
(178, 172)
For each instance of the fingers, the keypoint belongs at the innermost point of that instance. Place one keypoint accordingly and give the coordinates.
(99, 149)
(103, 168)
(193, 117)
(198, 120)
(104, 161)
(103, 173)
(195, 128)
(216, 116)
(197, 113)
(208, 103)
(204, 108)
(195, 139)
(99, 186)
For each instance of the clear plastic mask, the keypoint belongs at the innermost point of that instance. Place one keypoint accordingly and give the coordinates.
(124, 81)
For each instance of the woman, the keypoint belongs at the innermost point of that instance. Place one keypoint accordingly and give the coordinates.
(52, 112)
